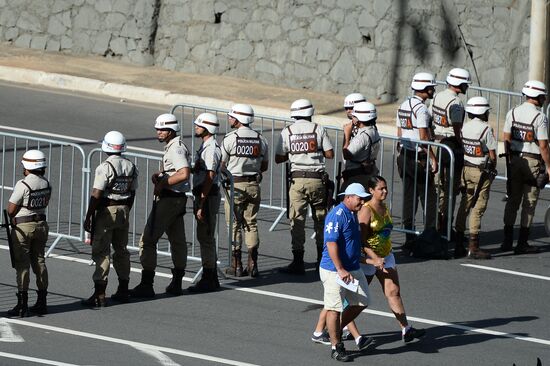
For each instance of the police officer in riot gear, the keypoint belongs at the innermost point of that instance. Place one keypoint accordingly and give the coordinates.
(27, 211)
(413, 122)
(166, 216)
(206, 191)
(108, 217)
(479, 144)
(361, 152)
(306, 145)
(448, 116)
(245, 155)
(526, 131)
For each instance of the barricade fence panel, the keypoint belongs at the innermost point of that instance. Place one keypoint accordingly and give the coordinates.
(66, 173)
(273, 184)
(147, 164)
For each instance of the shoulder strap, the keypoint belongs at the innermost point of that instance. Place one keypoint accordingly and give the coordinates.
(112, 167)
(483, 133)
(29, 187)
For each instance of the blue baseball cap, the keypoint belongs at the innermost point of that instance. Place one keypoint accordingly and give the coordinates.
(356, 189)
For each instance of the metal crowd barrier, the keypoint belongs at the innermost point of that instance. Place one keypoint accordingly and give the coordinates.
(270, 127)
(147, 165)
(66, 173)
(273, 196)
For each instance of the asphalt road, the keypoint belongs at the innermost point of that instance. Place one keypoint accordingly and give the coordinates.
(473, 315)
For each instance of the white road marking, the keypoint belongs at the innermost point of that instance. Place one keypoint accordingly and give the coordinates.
(522, 274)
(41, 361)
(8, 335)
(319, 302)
(72, 138)
(133, 344)
(159, 356)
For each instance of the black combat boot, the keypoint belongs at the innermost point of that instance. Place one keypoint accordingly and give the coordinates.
(460, 251)
(40, 307)
(207, 283)
(473, 249)
(252, 267)
(236, 268)
(523, 247)
(22, 308)
(174, 288)
(508, 242)
(122, 293)
(297, 265)
(97, 300)
(145, 288)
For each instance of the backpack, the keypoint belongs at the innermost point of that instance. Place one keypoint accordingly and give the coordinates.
(430, 245)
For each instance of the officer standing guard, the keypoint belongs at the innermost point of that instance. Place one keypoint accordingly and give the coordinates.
(306, 145)
(361, 152)
(526, 133)
(166, 216)
(245, 155)
(479, 171)
(27, 211)
(206, 191)
(413, 122)
(108, 218)
(448, 116)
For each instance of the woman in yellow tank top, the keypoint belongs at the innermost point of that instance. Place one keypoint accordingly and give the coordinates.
(376, 226)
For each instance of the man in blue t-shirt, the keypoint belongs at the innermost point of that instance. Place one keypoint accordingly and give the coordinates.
(341, 254)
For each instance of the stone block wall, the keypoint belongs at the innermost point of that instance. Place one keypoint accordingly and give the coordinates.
(340, 46)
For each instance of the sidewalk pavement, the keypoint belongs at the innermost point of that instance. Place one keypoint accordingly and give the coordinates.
(101, 76)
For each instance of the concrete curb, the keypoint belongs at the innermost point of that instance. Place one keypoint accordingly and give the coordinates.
(147, 95)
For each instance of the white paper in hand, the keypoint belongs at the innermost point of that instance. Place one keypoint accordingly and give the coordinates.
(352, 285)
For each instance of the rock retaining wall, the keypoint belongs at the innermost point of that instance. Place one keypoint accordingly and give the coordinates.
(329, 45)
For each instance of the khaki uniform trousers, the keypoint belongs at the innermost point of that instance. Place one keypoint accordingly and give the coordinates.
(111, 226)
(29, 240)
(246, 204)
(442, 184)
(443, 175)
(470, 179)
(167, 214)
(425, 190)
(306, 192)
(206, 230)
(525, 169)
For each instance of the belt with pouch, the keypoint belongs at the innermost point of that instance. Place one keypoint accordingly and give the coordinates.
(245, 178)
(31, 218)
(526, 155)
(307, 174)
(109, 202)
(472, 165)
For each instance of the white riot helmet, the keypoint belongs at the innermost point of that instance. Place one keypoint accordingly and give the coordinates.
(167, 121)
(114, 142)
(477, 106)
(242, 113)
(364, 111)
(534, 88)
(301, 108)
(33, 160)
(209, 122)
(422, 80)
(458, 76)
(353, 98)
